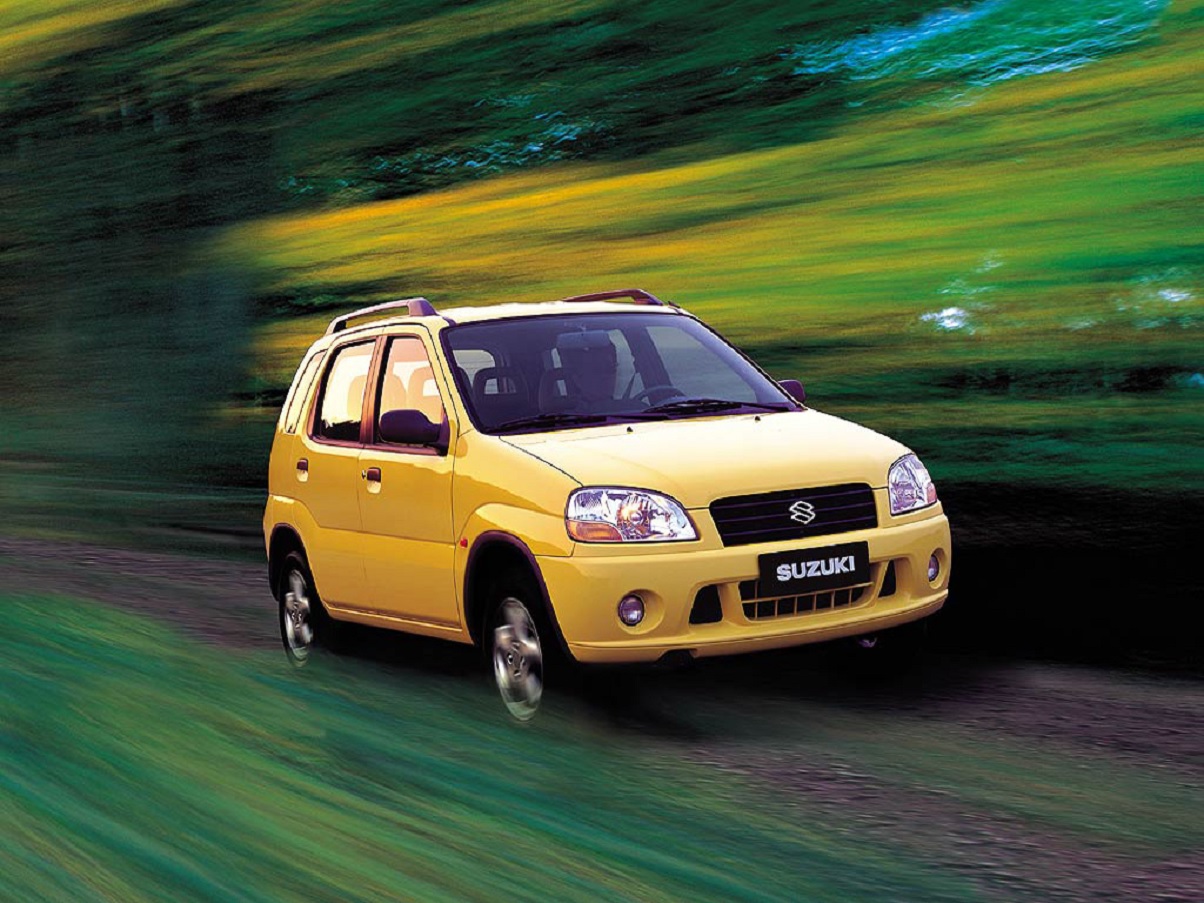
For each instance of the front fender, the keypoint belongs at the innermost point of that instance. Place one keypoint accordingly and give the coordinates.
(542, 532)
(532, 532)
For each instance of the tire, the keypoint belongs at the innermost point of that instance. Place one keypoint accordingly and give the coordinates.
(516, 639)
(304, 621)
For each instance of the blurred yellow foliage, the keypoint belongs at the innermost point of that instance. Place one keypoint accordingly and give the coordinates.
(262, 68)
(35, 30)
(1026, 178)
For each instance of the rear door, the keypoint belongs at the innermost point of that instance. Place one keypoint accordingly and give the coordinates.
(328, 475)
(405, 491)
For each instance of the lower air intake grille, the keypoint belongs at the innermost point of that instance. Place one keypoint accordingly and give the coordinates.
(786, 606)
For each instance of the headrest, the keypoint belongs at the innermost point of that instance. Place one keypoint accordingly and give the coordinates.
(585, 341)
(355, 398)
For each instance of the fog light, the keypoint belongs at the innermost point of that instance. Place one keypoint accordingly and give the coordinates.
(934, 568)
(631, 609)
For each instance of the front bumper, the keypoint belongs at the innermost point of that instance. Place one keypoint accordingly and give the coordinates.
(585, 590)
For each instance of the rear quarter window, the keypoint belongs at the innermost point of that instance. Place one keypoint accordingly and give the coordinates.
(294, 406)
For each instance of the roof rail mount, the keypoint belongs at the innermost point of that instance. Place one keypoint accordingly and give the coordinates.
(414, 307)
(639, 296)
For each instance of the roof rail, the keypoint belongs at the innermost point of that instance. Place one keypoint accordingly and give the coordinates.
(415, 307)
(639, 296)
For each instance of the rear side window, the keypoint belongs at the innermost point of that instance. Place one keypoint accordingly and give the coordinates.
(295, 406)
(342, 403)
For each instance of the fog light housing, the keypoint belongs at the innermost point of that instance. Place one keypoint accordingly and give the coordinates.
(934, 568)
(631, 609)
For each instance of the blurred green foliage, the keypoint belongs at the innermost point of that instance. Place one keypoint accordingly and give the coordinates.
(974, 227)
(132, 769)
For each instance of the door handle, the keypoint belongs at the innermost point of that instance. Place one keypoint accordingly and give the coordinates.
(303, 465)
(372, 474)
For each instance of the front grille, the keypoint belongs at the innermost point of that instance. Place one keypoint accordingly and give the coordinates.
(761, 609)
(772, 516)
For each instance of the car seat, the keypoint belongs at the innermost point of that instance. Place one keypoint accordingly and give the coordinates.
(501, 394)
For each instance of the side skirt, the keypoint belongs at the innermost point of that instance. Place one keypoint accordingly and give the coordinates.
(453, 632)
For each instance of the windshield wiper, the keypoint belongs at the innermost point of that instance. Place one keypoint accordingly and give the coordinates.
(681, 406)
(704, 405)
(551, 419)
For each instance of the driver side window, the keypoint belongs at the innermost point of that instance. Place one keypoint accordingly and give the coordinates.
(407, 381)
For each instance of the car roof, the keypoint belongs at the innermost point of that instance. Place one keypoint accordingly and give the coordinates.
(510, 310)
(420, 311)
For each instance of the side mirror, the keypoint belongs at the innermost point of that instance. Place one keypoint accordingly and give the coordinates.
(408, 427)
(794, 389)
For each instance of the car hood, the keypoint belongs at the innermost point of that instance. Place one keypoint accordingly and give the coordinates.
(699, 460)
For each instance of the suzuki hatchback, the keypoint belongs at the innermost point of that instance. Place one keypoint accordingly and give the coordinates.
(602, 477)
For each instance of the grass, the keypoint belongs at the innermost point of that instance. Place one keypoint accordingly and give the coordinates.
(138, 764)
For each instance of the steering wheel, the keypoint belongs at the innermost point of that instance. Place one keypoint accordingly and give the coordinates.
(664, 391)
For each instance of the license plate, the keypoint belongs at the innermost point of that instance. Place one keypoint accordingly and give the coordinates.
(811, 570)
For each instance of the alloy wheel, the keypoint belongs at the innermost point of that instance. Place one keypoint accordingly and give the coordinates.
(296, 618)
(517, 659)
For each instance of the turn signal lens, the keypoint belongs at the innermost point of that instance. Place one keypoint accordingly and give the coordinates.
(593, 531)
(615, 514)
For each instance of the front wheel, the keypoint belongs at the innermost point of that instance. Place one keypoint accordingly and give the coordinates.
(517, 657)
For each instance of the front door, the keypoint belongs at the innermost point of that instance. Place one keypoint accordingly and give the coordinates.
(405, 494)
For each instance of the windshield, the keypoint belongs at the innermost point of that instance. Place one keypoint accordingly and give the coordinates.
(556, 372)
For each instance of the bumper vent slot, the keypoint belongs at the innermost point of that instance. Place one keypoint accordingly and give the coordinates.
(888, 581)
(707, 609)
(774, 516)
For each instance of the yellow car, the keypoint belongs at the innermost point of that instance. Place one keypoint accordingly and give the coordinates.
(602, 477)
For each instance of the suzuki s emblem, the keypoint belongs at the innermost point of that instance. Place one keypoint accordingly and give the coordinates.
(803, 512)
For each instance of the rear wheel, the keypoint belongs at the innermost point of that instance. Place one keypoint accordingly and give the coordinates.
(304, 622)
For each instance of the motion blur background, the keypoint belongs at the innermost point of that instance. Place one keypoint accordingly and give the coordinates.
(974, 226)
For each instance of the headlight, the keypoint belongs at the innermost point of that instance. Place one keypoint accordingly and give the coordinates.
(611, 514)
(910, 485)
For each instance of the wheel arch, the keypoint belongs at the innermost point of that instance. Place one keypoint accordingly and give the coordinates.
(284, 539)
(492, 552)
